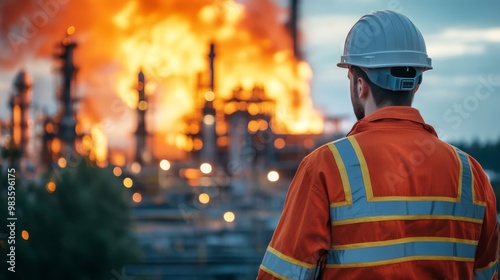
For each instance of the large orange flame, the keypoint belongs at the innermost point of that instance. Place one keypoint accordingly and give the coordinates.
(169, 41)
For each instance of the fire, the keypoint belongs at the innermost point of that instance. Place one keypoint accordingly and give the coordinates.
(169, 41)
(99, 144)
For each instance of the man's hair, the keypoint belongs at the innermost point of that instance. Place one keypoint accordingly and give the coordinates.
(384, 97)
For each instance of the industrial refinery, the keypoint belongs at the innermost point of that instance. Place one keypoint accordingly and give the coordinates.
(205, 183)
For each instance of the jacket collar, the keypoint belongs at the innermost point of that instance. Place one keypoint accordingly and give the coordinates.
(394, 115)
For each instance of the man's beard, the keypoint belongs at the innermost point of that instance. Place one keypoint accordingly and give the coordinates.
(359, 111)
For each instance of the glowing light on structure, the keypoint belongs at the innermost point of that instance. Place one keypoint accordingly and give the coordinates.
(25, 234)
(137, 197)
(127, 183)
(135, 167)
(206, 168)
(62, 162)
(51, 187)
(229, 217)
(273, 176)
(263, 125)
(71, 30)
(253, 126)
(142, 105)
(117, 171)
(165, 164)
(279, 143)
(197, 144)
(209, 95)
(204, 198)
(208, 119)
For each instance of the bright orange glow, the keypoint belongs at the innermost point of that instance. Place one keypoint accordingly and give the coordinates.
(51, 187)
(197, 144)
(70, 30)
(25, 234)
(49, 128)
(221, 128)
(180, 141)
(79, 129)
(253, 126)
(279, 143)
(242, 106)
(230, 108)
(86, 145)
(253, 109)
(261, 62)
(55, 145)
(118, 159)
(222, 141)
(218, 104)
(194, 128)
(117, 171)
(102, 164)
(99, 144)
(189, 145)
(137, 197)
(263, 125)
(127, 183)
(281, 56)
(170, 42)
(190, 173)
(16, 121)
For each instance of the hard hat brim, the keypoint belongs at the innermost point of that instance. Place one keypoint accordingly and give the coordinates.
(387, 59)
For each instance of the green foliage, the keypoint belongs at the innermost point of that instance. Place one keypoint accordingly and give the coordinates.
(11, 152)
(82, 230)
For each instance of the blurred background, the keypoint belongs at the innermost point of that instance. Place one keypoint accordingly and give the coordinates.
(157, 139)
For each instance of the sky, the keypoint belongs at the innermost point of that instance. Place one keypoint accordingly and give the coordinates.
(459, 97)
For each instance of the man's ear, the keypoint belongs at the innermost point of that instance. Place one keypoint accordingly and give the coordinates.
(362, 88)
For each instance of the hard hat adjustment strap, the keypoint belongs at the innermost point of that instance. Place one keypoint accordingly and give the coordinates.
(382, 77)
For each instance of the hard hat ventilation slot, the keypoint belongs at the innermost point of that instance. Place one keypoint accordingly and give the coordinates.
(403, 72)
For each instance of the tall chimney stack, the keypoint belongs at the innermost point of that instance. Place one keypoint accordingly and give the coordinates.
(20, 103)
(141, 133)
(67, 122)
(208, 151)
(293, 25)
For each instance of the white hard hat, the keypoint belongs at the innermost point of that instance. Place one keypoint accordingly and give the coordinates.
(383, 40)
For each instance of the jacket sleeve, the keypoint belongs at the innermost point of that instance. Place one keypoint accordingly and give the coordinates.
(486, 260)
(302, 235)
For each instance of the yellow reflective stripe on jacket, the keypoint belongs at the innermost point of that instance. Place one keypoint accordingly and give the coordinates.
(366, 208)
(282, 266)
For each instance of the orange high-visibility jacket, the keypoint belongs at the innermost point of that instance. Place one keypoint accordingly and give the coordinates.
(389, 201)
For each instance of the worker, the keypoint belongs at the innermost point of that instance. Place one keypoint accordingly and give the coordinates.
(391, 200)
